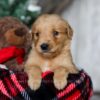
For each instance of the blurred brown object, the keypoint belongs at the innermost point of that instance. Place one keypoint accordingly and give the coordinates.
(53, 6)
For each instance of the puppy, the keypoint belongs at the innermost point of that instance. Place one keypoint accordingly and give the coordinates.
(50, 51)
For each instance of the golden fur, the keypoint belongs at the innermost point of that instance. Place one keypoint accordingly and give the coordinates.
(57, 33)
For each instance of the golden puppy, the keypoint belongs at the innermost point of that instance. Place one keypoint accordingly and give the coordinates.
(50, 51)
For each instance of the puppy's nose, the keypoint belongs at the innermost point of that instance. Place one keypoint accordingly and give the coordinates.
(44, 47)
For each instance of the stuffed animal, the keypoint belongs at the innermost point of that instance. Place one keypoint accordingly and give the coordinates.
(15, 41)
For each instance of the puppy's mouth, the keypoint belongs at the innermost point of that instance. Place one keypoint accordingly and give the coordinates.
(49, 53)
(45, 49)
(46, 52)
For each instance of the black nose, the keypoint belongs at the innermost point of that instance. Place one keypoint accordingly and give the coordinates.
(44, 47)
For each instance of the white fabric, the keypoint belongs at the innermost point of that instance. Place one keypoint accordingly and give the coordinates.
(84, 17)
(3, 66)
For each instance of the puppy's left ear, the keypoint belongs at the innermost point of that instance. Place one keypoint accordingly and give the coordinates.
(69, 31)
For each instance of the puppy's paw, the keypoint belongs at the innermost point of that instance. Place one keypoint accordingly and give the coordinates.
(60, 83)
(60, 78)
(34, 75)
(34, 84)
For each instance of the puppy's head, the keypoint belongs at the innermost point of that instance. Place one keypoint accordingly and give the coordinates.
(51, 35)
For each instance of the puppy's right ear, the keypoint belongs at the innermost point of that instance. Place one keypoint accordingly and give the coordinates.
(32, 35)
(32, 31)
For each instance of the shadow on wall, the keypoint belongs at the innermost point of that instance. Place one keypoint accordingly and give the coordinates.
(54, 6)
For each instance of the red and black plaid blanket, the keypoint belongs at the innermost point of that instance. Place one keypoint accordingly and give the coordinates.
(13, 86)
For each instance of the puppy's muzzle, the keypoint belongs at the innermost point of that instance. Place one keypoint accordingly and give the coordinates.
(44, 47)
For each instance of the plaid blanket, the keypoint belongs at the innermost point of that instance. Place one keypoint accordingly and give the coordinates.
(13, 86)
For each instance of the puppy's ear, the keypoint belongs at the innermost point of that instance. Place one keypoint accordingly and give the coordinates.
(69, 31)
(32, 31)
(32, 36)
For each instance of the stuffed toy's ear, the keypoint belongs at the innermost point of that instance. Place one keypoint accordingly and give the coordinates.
(15, 37)
(20, 32)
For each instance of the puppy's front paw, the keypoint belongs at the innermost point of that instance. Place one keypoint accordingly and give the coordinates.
(60, 78)
(34, 84)
(34, 75)
(60, 83)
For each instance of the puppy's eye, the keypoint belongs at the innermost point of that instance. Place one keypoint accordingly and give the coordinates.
(37, 34)
(55, 33)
